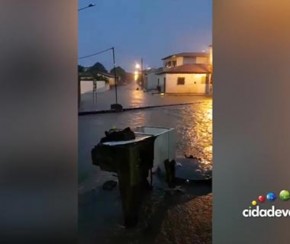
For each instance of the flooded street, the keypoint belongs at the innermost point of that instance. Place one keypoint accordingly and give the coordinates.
(165, 217)
(193, 125)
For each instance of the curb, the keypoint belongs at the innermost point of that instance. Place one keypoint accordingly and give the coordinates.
(130, 109)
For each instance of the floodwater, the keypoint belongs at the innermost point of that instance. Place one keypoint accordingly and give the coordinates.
(165, 217)
(193, 125)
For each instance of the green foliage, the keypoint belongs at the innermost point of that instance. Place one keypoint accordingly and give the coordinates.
(81, 68)
(97, 67)
(120, 72)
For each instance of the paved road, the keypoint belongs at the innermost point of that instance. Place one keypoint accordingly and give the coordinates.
(129, 97)
(193, 125)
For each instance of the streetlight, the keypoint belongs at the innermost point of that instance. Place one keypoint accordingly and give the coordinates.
(139, 73)
(136, 73)
(89, 6)
(137, 66)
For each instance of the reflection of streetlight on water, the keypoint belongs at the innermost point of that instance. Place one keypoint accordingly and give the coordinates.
(138, 74)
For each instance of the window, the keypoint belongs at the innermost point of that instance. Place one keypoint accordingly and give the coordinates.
(180, 81)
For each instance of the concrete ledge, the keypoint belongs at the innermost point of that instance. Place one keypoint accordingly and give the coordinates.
(130, 109)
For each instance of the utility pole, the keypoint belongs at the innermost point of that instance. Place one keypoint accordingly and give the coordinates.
(115, 74)
(116, 107)
(141, 73)
(79, 78)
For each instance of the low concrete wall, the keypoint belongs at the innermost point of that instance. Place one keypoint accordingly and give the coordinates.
(88, 85)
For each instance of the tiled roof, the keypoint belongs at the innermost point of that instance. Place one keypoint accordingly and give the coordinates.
(188, 68)
(88, 74)
(188, 54)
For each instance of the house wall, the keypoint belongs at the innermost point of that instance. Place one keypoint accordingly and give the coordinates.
(179, 61)
(202, 60)
(161, 81)
(111, 81)
(88, 85)
(151, 81)
(194, 83)
(189, 60)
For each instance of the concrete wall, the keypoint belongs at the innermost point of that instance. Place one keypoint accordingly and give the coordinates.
(179, 61)
(151, 81)
(161, 81)
(194, 83)
(189, 60)
(111, 81)
(87, 86)
(202, 60)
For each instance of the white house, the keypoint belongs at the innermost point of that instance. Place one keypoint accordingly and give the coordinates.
(186, 73)
(90, 84)
(151, 79)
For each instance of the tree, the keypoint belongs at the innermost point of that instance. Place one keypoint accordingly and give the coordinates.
(97, 67)
(120, 72)
(81, 68)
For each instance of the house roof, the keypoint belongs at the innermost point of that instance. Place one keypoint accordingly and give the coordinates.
(153, 70)
(189, 69)
(188, 54)
(89, 74)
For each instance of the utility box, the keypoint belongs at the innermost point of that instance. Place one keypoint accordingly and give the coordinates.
(164, 146)
(131, 160)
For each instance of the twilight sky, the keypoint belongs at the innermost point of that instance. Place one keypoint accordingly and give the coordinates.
(148, 29)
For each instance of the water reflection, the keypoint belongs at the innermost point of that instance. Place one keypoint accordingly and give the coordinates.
(193, 125)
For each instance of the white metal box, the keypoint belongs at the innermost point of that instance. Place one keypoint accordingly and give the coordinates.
(164, 145)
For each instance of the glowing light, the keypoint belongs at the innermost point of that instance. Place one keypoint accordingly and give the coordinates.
(137, 66)
(210, 55)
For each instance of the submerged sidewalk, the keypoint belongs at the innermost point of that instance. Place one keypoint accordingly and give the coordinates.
(129, 97)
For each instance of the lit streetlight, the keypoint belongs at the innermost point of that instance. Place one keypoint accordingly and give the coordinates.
(137, 66)
(139, 73)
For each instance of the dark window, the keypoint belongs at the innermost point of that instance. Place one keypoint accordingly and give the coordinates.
(173, 63)
(180, 81)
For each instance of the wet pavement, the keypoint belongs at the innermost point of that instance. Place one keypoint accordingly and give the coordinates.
(165, 217)
(129, 97)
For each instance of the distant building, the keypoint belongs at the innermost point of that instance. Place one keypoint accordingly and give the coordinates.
(186, 73)
(99, 82)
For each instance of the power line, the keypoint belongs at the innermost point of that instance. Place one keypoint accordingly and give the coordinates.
(94, 54)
